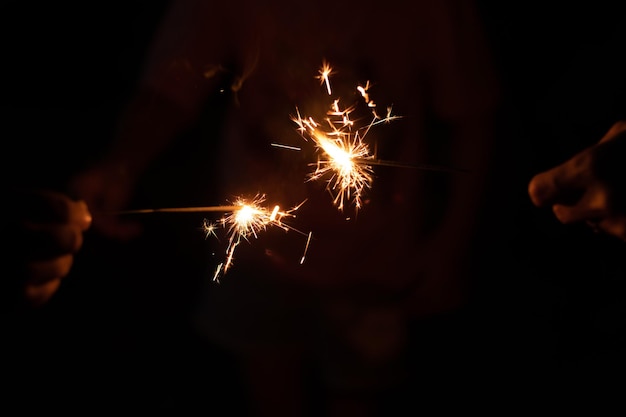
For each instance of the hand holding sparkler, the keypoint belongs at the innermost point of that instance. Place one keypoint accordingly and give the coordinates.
(243, 220)
(43, 235)
(107, 190)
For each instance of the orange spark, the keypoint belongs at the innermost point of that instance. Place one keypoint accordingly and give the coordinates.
(248, 219)
(324, 76)
(345, 154)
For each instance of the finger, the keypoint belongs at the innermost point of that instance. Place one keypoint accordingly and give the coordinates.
(39, 294)
(42, 205)
(615, 226)
(40, 241)
(562, 184)
(80, 215)
(47, 206)
(591, 206)
(615, 130)
(74, 212)
(41, 272)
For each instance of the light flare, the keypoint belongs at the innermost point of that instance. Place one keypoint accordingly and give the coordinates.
(247, 220)
(340, 138)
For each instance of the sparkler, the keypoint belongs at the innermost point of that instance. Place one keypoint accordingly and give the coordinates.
(243, 220)
(247, 221)
(341, 141)
(346, 159)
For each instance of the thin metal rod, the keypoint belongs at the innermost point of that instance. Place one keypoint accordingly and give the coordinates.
(427, 167)
(179, 210)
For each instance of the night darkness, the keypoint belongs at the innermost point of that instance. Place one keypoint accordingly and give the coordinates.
(547, 317)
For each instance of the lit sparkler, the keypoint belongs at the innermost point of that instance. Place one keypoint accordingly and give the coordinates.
(346, 159)
(243, 220)
(247, 220)
(348, 178)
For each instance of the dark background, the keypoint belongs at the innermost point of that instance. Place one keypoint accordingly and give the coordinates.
(550, 304)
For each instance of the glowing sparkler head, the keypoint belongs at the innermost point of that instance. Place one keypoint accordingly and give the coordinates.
(340, 139)
(348, 178)
(248, 219)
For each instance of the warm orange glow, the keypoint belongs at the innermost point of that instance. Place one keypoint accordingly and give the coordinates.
(345, 155)
(248, 219)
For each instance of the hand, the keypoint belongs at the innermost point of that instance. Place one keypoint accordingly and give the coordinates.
(107, 190)
(45, 232)
(590, 187)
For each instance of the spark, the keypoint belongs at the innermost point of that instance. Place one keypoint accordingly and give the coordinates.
(218, 271)
(306, 248)
(292, 148)
(324, 76)
(243, 219)
(340, 138)
(246, 221)
(209, 228)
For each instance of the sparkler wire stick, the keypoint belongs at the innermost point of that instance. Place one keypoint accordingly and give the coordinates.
(381, 162)
(180, 210)
(245, 220)
(426, 167)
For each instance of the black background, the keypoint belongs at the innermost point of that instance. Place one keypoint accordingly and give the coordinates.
(551, 303)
